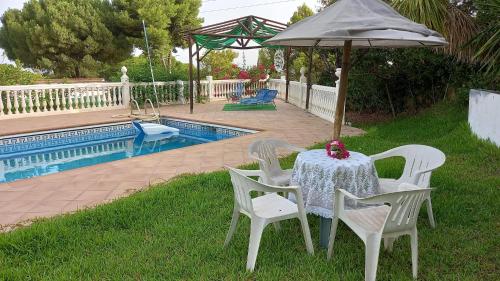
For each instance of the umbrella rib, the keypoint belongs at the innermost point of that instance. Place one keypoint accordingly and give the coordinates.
(370, 42)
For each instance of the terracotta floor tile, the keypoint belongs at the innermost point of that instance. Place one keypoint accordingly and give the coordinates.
(93, 195)
(9, 195)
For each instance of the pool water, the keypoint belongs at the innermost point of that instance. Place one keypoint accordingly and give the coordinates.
(43, 153)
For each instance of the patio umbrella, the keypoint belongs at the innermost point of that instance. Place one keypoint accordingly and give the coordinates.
(356, 24)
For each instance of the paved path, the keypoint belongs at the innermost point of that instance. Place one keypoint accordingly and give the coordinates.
(68, 191)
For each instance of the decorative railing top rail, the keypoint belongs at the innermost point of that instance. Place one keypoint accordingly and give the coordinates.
(60, 86)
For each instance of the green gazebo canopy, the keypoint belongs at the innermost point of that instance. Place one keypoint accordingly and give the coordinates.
(236, 34)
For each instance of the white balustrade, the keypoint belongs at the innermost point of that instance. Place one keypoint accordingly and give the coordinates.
(45, 99)
(322, 100)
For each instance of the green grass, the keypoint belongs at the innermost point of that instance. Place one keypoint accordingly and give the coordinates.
(247, 107)
(175, 231)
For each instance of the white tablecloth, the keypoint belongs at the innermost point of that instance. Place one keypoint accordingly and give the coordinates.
(319, 175)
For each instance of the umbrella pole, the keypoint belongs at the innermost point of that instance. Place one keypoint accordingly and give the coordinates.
(341, 95)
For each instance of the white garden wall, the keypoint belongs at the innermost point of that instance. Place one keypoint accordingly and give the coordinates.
(484, 114)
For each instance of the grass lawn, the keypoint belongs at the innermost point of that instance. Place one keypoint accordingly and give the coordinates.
(175, 231)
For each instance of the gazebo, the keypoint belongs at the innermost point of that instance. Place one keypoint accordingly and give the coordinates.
(232, 34)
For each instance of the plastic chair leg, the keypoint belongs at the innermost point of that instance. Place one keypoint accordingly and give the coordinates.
(277, 226)
(388, 244)
(414, 252)
(306, 233)
(371, 257)
(429, 212)
(232, 228)
(333, 232)
(256, 228)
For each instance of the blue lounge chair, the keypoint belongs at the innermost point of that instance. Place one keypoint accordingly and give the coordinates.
(236, 95)
(260, 95)
(265, 99)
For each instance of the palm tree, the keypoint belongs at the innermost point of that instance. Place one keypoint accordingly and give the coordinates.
(446, 18)
(487, 41)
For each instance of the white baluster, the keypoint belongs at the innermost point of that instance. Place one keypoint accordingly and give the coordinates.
(109, 99)
(9, 103)
(56, 96)
(76, 98)
(33, 107)
(70, 100)
(23, 101)
(51, 101)
(99, 92)
(81, 92)
(63, 99)
(16, 103)
(106, 97)
(120, 96)
(112, 101)
(44, 100)
(92, 97)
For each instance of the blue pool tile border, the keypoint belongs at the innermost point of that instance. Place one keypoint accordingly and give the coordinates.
(47, 139)
(39, 140)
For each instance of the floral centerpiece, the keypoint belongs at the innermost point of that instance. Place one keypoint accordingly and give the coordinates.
(336, 149)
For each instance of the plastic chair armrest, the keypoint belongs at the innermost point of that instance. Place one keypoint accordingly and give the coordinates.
(250, 173)
(382, 155)
(346, 193)
(295, 148)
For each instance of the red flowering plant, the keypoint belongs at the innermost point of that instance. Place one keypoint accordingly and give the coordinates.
(336, 149)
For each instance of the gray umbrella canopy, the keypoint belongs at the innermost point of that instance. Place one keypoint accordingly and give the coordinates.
(356, 24)
(368, 23)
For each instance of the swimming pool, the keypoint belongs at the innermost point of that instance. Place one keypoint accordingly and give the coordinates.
(42, 153)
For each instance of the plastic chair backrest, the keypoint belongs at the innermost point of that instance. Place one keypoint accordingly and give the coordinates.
(242, 186)
(266, 151)
(405, 207)
(261, 93)
(418, 158)
(271, 95)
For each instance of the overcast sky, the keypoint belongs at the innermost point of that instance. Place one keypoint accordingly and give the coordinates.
(214, 11)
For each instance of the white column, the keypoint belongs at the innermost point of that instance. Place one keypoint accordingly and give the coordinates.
(337, 87)
(180, 96)
(125, 87)
(303, 87)
(210, 87)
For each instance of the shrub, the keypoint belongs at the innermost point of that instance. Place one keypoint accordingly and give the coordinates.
(138, 71)
(14, 75)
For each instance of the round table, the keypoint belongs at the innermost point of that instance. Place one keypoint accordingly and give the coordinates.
(320, 175)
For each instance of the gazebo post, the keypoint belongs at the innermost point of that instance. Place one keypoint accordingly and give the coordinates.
(191, 104)
(198, 84)
(287, 72)
(309, 82)
(341, 95)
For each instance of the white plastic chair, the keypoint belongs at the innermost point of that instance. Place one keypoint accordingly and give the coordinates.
(420, 161)
(263, 210)
(386, 221)
(265, 152)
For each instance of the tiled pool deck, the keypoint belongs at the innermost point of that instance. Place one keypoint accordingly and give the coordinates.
(45, 196)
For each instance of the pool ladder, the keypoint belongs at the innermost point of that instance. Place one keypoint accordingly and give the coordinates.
(154, 116)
